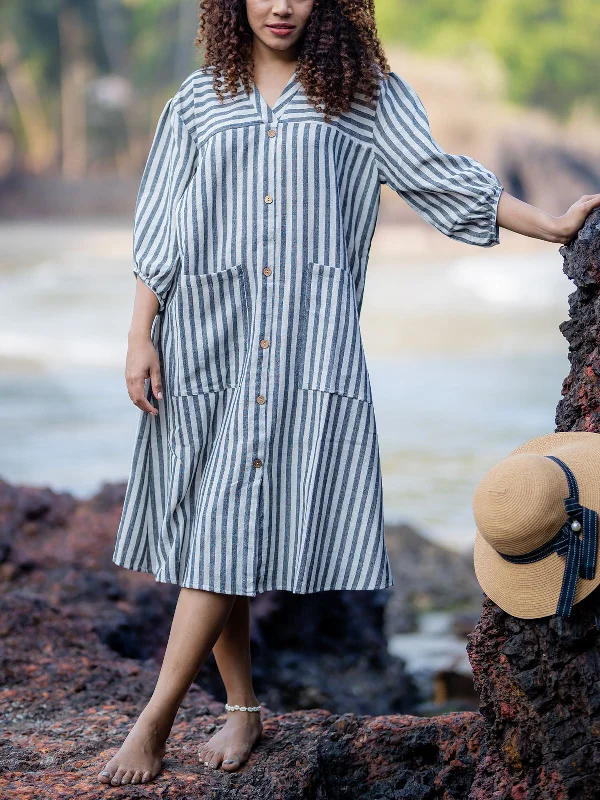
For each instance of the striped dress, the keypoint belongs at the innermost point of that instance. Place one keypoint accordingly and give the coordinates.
(253, 227)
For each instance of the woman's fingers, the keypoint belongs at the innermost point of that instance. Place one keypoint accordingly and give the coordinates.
(142, 362)
(137, 393)
(156, 382)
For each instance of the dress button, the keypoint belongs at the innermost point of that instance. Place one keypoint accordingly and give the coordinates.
(257, 462)
(261, 400)
(271, 133)
(264, 343)
(268, 198)
(267, 271)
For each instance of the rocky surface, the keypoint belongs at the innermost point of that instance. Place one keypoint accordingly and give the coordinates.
(67, 709)
(579, 409)
(540, 698)
(538, 680)
(81, 643)
(306, 653)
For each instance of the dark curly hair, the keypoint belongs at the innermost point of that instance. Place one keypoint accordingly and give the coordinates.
(336, 54)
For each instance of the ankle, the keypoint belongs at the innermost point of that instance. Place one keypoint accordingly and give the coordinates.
(159, 716)
(241, 699)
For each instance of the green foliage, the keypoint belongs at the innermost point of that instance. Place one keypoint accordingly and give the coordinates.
(549, 47)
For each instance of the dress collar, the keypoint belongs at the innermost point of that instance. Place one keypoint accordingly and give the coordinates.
(274, 114)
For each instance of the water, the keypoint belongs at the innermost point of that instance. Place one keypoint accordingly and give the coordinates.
(432, 647)
(464, 353)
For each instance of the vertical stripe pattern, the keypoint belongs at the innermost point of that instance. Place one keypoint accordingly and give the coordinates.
(253, 227)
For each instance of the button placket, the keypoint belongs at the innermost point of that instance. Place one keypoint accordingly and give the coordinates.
(271, 221)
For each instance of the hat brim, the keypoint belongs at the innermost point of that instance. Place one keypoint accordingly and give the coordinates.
(532, 590)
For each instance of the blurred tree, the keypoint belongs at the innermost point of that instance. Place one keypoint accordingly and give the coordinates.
(53, 51)
(548, 47)
(50, 51)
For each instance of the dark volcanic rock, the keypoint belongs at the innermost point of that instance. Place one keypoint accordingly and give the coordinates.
(538, 680)
(579, 410)
(67, 702)
(540, 697)
(325, 650)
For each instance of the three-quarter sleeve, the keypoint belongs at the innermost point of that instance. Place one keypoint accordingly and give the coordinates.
(455, 193)
(169, 167)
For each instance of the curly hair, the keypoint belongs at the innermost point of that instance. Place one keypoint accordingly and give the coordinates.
(336, 54)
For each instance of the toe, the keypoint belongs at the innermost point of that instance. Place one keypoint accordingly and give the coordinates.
(127, 776)
(105, 775)
(116, 778)
(231, 763)
(137, 777)
(146, 776)
(216, 760)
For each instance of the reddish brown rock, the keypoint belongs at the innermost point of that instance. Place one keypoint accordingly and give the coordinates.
(539, 680)
(306, 653)
(81, 644)
(67, 703)
(579, 410)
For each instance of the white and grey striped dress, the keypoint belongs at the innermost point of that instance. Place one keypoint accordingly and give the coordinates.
(253, 227)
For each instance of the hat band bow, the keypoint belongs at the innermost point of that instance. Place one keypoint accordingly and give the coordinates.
(580, 553)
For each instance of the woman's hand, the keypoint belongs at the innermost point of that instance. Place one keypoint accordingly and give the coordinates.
(571, 222)
(515, 215)
(142, 362)
(142, 358)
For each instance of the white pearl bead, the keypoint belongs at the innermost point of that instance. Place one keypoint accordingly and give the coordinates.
(576, 525)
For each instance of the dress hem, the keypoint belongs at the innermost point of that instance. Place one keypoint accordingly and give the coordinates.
(267, 588)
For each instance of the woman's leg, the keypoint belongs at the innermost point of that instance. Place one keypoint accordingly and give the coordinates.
(231, 746)
(197, 623)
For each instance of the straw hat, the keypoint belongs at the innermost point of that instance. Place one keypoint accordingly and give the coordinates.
(519, 507)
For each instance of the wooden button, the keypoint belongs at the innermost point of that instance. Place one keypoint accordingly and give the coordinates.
(267, 271)
(271, 133)
(257, 462)
(268, 198)
(264, 343)
(261, 400)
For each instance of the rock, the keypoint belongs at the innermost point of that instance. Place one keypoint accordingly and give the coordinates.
(427, 577)
(325, 650)
(62, 722)
(538, 680)
(579, 409)
(540, 698)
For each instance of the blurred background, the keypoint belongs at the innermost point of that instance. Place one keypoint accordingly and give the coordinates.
(463, 346)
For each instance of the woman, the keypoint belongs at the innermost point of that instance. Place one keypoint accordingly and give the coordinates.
(256, 464)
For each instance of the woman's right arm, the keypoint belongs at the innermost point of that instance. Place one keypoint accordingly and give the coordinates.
(142, 359)
(169, 168)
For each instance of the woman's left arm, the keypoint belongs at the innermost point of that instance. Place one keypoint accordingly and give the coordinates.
(455, 193)
(515, 215)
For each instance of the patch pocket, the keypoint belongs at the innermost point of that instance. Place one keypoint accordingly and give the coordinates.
(330, 355)
(210, 316)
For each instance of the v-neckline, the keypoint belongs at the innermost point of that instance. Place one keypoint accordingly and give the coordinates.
(264, 110)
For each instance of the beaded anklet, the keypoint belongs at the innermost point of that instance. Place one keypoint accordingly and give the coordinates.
(242, 708)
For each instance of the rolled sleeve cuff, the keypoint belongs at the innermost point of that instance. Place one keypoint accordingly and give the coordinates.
(494, 229)
(151, 284)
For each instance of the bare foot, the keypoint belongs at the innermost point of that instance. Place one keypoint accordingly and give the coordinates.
(231, 746)
(139, 758)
